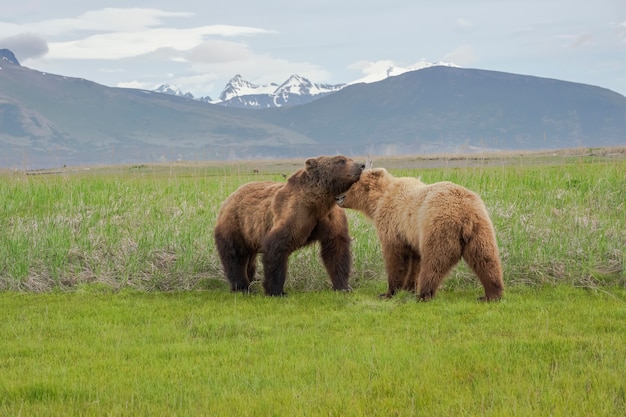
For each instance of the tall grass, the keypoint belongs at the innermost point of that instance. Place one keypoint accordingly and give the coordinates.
(150, 227)
(560, 222)
(134, 227)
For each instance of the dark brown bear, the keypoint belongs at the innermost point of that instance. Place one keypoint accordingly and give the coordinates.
(276, 218)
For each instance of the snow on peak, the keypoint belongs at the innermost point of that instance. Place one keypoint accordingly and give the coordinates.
(168, 89)
(377, 71)
(297, 85)
(237, 86)
(296, 89)
(171, 90)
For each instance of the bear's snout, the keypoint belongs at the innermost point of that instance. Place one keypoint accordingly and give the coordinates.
(358, 169)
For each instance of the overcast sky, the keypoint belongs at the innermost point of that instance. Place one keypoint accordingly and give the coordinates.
(199, 45)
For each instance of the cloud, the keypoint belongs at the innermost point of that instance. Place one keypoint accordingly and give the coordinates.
(207, 52)
(391, 68)
(216, 51)
(25, 46)
(621, 31)
(114, 33)
(575, 41)
(463, 25)
(153, 42)
(199, 84)
(582, 40)
(371, 67)
(263, 69)
(117, 45)
(463, 55)
(104, 20)
(379, 70)
(135, 84)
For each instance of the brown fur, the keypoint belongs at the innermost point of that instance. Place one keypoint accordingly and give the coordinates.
(425, 230)
(276, 218)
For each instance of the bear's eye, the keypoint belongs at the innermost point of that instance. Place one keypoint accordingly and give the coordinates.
(342, 161)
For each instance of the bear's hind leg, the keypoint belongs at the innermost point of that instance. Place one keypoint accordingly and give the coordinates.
(481, 254)
(410, 282)
(437, 261)
(235, 260)
(251, 268)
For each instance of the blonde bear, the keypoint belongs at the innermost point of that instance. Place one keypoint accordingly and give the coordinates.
(424, 231)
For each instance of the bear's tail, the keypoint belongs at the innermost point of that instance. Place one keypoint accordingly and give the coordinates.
(467, 231)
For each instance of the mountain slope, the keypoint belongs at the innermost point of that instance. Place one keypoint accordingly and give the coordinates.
(446, 107)
(48, 119)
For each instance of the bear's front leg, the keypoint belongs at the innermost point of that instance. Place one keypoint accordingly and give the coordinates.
(276, 250)
(337, 259)
(275, 275)
(334, 237)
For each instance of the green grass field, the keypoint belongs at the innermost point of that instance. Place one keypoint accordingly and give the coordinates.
(549, 350)
(114, 303)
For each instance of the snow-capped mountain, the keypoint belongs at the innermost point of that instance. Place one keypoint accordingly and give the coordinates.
(296, 90)
(299, 90)
(239, 92)
(388, 117)
(175, 91)
(301, 86)
(238, 87)
(171, 90)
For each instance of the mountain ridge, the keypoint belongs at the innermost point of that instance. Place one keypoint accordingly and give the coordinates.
(53, 120)
(242, 93)
(296, 90)
(8, 56)
(458, 106)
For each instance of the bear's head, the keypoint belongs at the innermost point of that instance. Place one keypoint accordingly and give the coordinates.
(364, 194)
(335, 174)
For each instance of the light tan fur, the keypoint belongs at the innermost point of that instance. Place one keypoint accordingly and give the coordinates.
(425, 230)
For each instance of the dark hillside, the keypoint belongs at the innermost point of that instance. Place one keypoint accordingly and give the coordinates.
(453, 106)
(50, 120)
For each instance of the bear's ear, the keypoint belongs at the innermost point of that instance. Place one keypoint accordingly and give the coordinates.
(310, 163)
(377, 173)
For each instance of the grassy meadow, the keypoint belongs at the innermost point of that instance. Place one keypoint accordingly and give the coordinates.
(114, 302)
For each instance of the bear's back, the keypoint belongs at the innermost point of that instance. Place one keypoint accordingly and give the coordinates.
(451, 203)
(239, 213)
